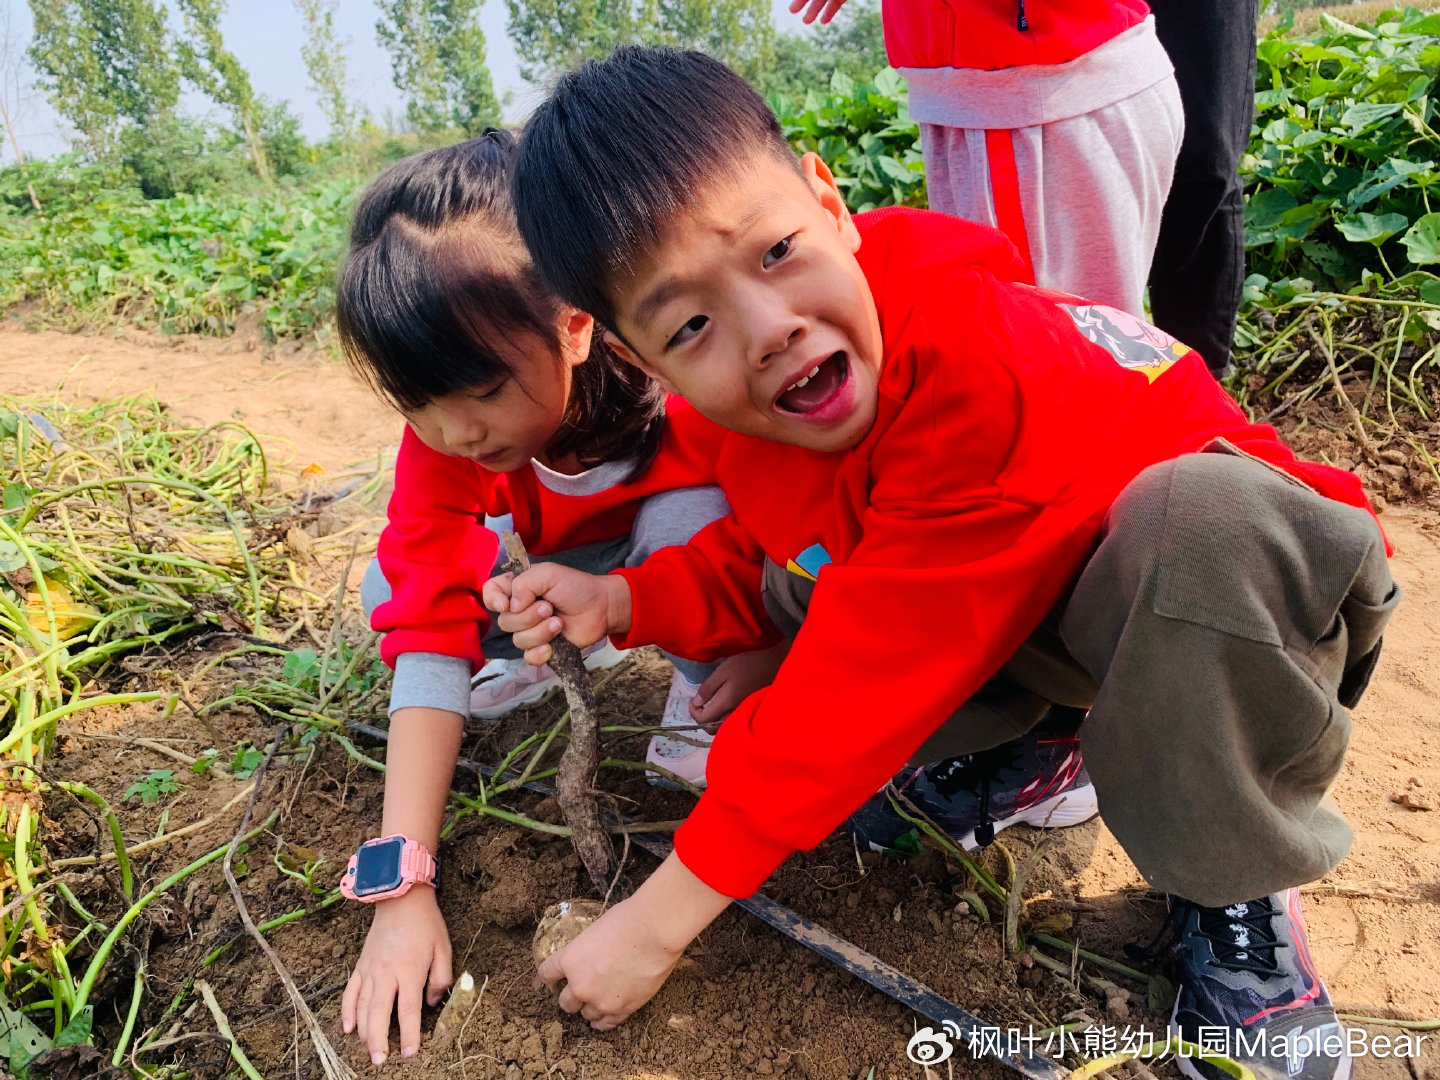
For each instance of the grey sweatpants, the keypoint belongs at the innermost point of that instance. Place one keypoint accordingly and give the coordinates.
(1091, 191)
(1226, 622)
(443, 682)
(1072, 161)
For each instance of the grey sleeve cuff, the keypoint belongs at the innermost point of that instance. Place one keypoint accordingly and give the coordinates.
(432, 681)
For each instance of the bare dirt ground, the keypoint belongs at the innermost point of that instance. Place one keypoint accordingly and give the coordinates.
(753, 1004)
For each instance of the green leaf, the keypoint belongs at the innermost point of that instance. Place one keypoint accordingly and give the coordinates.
(1422, 242)
(245, 761)
(301, 666)
(9, 424)
(1342, 29)
(1430, 291)
(1268, 207)
(1364, 113)
(1371, 228)
(21, 1040)
(78, 1029)
(15, 495)
(149, 789)
(11, 557)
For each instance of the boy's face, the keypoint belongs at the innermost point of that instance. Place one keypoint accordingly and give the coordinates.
(752, 306)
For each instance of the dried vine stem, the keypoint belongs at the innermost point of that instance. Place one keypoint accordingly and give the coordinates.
(574, 783)
(330, 1061)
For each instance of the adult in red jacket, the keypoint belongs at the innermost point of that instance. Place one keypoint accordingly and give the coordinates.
(1057, 121)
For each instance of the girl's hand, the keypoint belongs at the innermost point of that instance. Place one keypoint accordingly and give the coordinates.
(733, 681)
(408, 946)
(826, 9)
(548, 600)
(624, 957)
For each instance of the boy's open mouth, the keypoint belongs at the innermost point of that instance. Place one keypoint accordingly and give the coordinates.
(816, 387)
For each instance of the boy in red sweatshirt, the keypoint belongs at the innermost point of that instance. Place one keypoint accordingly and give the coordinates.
(944, 476)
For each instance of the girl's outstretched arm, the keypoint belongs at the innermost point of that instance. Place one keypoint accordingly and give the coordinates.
(408, 947)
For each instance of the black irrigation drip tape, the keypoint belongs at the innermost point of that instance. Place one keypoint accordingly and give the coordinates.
(964, 1028)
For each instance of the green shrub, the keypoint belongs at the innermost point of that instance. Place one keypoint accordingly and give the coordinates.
(863, 131)
(180, 154)
(62, 183)
(187, 264)
(1344, 152)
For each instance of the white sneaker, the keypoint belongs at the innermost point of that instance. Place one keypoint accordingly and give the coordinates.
(685, 753)
(502, 686)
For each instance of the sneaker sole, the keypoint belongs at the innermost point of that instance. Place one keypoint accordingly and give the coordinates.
(1343, 1066)
(601, 660)
(1073, 807)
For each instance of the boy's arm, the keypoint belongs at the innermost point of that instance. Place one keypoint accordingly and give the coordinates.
(700, 600)
(887, 652)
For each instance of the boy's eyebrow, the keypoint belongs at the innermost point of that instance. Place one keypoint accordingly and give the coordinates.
(649, 305)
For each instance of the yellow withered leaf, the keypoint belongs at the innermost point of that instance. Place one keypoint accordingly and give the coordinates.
(71, 616)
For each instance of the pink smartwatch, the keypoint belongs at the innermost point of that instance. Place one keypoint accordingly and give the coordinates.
(386, 868)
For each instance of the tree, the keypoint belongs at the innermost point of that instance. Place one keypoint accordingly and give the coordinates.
(104, 64)
(554, 35)
(324, 55)
(12, 99)
(854, 45)
(437, 54)
(215, 70)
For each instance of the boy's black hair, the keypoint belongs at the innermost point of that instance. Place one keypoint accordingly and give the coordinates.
(437, 283)
(619, 148)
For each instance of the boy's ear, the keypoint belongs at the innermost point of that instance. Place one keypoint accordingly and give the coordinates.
(576, 330)
(817, 174)
(617, 345)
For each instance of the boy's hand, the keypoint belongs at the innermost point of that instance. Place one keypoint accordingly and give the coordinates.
(408, 946)
(733, 681)
(548, 600)
(624, 957)
(826, 9)
(613, 968)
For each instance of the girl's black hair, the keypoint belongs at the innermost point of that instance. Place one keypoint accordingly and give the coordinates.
(437, 284)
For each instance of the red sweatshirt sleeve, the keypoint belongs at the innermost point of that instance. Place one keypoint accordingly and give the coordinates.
(968, 540)
(436, 554)
(701, 600)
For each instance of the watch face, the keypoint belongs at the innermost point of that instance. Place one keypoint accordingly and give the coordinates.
(377, 866)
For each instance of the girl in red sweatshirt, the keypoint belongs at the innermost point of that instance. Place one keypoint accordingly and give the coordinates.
(513, 409)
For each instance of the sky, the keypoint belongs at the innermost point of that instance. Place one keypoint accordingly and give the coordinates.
(266, 36)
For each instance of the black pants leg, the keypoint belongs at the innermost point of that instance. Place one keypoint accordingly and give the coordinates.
(1199, 267)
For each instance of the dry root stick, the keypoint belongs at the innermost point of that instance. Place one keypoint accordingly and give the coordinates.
(574, 784)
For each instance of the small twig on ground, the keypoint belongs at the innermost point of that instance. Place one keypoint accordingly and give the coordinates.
(574, 783)
(147, 744)
(1327, 349)
(222, 1023)
(155, 841)
(330, 1059)
(1380, 890)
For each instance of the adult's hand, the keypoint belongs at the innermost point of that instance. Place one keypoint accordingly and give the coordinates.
(825, 9)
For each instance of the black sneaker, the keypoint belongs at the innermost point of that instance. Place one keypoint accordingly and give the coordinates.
(1249, 990)
(1038, 779)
